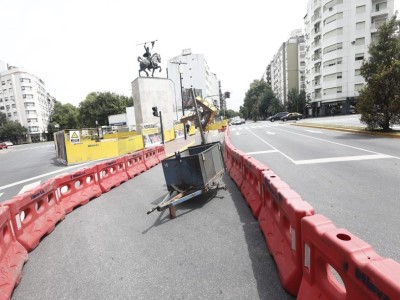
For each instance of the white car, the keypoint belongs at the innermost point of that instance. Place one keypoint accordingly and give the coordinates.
(8, 143)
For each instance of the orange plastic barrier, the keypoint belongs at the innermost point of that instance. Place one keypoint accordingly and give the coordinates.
(284, 239)
(77, 188)
(227, 152)
(330, 253)
(160, 152)
(150, 157)
(111, 173)
(236, 170)
(12, 256)
(134, 164)
(35, 214)
(252, 182)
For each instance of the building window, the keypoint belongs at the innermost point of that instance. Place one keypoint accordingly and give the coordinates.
(360, 25)
(25, 80)
(13, 106)
(15, 114)
(358, 87)
(360, 41)
(357, 72)
(339, 75)
(360, 9)
(360, 56)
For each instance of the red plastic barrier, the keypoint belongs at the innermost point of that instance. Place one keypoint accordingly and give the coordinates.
(134, 164)
(77, 188)
(35, 214)
(12, 256)
(251, 186)
(270, 185)
(283, 234)
(111, 173)
(227, 152)
(150, 157)
(330, 252)
(236, 170)
(160, 152)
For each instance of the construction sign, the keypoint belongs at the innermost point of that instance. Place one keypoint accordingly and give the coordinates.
(74, 137)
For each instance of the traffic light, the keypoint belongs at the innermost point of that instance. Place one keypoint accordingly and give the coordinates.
(227, 95)
(155, 111)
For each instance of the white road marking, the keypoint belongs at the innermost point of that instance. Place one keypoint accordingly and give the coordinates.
(314, 131)
(1, 194)
(44, 175)
(29, 186)
(268, 132)
(262, 152)
(375, 155)
(338, 159)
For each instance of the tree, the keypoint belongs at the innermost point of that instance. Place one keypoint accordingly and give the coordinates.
(65, 116)
(379, 99)
(296, 101)
(12, 130)
(98, 106)
(275, 107)
(257, 100)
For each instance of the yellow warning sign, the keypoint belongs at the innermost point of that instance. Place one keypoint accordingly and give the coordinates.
(74, 137)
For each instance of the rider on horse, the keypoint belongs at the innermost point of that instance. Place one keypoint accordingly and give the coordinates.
(147, 54)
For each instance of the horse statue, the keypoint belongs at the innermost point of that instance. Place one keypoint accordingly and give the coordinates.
(149, 64)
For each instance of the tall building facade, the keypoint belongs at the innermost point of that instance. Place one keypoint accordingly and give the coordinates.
(188, 71)
(286, 70)
(23, 98)
(337, 36)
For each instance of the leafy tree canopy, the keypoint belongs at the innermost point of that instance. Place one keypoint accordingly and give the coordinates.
(12, 130)
(257, 100)
(65, 116)
(296, 101)
(98, 106)
(379, 100)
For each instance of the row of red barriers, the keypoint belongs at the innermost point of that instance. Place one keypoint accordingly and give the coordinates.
(309, 251)
(27, 218)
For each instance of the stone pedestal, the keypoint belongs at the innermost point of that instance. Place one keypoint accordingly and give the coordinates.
(148, 92)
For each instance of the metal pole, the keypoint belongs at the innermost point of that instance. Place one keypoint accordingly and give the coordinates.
(203, 140)
(162, 129)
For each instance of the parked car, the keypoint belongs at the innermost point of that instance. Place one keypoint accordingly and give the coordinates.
(8, 143)
(237, 121)
(277, 116)
(3, 146)
(292, 116)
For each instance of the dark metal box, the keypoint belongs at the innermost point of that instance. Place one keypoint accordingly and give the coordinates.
(198, 167)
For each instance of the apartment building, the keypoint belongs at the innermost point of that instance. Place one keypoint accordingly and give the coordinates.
(337, 36)
(23, 98)
(286, 70)
(189, 70)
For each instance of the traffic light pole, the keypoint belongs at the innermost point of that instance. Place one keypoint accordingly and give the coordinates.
(162, 129)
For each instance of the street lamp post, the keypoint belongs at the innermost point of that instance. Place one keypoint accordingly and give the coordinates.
(179, 63)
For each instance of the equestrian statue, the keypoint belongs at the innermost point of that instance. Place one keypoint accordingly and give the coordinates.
(149, 61)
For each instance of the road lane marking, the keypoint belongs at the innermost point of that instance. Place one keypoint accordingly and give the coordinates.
(268, 132)
(29, 186)
(1, 194)
(340, 159)
(265, 142)
(43, 175)
(313, 131)
(375, 155)
(261, 152)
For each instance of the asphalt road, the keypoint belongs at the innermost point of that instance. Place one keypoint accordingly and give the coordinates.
(353, 179)
(26, 166)
(111, 249)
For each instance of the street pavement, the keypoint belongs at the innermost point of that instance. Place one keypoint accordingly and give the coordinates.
(111, 249)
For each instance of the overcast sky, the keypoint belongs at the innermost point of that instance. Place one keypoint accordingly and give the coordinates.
(80, 46)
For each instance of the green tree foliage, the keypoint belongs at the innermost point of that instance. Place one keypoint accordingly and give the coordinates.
(229, 113)
(65, 116)
(296, 101)
(275, 107)
(98, 106)
(257, 100)
(379, 100)
(12, 130)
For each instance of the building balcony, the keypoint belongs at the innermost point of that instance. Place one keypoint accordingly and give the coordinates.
(380, 12)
